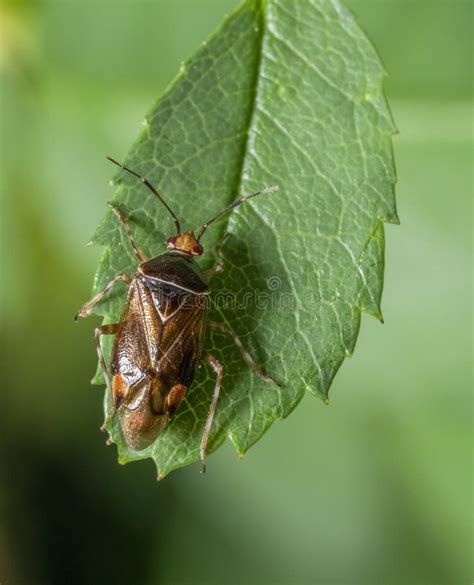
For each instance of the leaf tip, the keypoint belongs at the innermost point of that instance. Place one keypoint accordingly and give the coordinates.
(395, 219)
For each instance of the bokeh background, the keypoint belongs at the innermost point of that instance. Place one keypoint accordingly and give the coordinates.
(377, 488)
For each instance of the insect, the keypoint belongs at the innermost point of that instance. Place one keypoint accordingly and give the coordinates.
(158, 341)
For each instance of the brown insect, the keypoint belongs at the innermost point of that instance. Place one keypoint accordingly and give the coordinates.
(159, 340)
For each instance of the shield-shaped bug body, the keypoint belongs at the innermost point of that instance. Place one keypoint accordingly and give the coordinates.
(158, 341)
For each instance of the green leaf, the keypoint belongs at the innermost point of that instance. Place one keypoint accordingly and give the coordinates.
(287, 93)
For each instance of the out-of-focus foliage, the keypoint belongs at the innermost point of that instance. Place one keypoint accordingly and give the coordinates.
(375, 488)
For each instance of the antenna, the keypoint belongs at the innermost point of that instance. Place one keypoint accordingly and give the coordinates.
(152, 189)
(232, 206)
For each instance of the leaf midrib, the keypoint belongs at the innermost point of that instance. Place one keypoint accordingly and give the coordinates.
(237, 191)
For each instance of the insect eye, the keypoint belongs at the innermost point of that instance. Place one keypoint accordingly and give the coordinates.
(197, 250)
(171, 242)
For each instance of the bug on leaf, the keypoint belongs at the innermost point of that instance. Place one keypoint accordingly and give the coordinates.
(159, 339)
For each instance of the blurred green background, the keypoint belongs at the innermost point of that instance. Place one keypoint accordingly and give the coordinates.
(375, 489)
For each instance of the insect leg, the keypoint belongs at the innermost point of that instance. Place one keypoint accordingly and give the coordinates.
(218, 260)
(219, 370)
(99, 331)
(85, 310)
(223, 328)
(124, 221)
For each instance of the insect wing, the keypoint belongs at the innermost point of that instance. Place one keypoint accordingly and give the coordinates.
(182, 317)
(136, 341)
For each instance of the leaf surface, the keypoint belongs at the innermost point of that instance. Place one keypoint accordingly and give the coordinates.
(287, 93)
